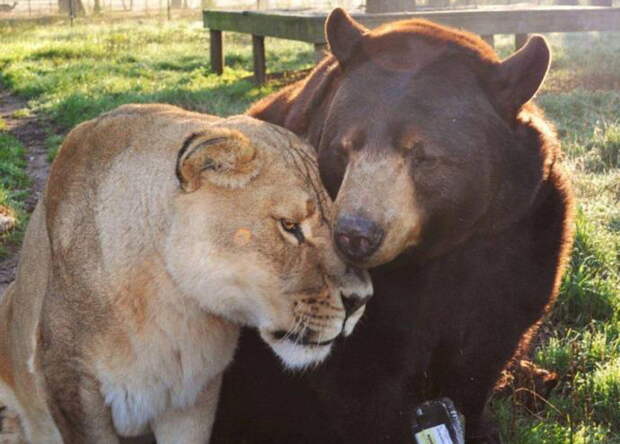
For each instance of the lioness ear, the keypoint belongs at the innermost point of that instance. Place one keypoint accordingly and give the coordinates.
(222, 156)
(342, 34)
(521, 74)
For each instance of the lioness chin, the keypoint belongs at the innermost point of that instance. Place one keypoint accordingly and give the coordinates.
(160, 233)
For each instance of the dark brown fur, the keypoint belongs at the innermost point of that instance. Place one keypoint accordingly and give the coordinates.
(496, 230)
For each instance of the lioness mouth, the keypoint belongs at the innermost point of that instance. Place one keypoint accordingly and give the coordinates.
(301, 339)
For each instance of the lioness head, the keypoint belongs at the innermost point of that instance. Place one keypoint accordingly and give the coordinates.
(250, 239)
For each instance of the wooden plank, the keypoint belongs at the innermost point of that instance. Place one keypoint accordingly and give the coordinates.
(517, 21)
(377, 6)
(309, 27)
(439, 3)
(216, 51)
(258, 51)
(306, 28)
(520, 40)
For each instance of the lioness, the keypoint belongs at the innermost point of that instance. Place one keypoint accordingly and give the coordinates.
(161, 231)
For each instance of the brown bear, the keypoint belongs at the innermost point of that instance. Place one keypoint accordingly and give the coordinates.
(447, 181)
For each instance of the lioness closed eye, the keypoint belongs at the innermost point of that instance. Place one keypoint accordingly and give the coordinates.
(160, 233)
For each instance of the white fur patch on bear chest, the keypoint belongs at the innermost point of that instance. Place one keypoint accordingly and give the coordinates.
(168, 364)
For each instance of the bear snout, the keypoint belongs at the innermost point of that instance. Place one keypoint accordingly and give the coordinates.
(357, 237)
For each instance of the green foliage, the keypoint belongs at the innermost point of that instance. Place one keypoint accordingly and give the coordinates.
(589, 289)
(605, 146)
(21, 113)
(14, 184)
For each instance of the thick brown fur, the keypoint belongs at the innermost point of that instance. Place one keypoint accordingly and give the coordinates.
(160, 233)
(423, 130)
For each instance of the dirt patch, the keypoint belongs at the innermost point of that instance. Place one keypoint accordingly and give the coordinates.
(31, 132)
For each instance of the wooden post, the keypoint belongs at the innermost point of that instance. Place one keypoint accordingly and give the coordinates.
(520, 40)
(258, 50)
(217, 55)
(319, 51)
(489, 38)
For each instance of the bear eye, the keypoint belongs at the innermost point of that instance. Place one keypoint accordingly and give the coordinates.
(294, 228)
(420, 157)
(417, 145)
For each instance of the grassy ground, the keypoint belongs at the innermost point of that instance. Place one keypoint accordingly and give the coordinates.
(72, 74)
(14, 184)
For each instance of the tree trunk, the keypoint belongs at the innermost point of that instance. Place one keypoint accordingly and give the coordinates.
(176, 4)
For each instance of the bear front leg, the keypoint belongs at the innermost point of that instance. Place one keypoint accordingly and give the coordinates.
(471, 402)
(191, 425)
(469, 377)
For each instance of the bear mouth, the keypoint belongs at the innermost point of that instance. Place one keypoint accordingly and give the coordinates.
(303, 339)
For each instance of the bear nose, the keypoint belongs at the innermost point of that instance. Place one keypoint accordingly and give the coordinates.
(357, 237)
(352, 303)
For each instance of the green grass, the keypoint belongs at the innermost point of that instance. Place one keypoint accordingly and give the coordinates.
(72, 74)
(582, 97)
(14, 183)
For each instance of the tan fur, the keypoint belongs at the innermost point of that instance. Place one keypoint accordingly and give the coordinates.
(161, 232)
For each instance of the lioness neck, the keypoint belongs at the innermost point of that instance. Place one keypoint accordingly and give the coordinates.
(164, 350)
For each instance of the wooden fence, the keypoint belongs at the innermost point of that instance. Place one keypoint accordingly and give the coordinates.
(486, 21)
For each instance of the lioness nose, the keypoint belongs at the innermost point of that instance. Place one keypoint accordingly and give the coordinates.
(357, 237)
(352, 303)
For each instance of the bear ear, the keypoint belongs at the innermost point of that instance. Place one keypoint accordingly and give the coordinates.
(342, 34)
(221, 156)
(521, 74)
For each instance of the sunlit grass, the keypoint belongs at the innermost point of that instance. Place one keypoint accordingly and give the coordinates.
(74, 74)
(582, 97)
(14, 184)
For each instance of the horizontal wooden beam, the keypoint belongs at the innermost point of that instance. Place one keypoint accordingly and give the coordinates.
(305, 28)
(308, 27)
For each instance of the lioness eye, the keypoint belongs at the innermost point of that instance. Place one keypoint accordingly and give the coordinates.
(294, 228)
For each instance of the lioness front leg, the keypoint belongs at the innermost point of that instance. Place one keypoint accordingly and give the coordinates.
(193, 424)
(76, 403)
